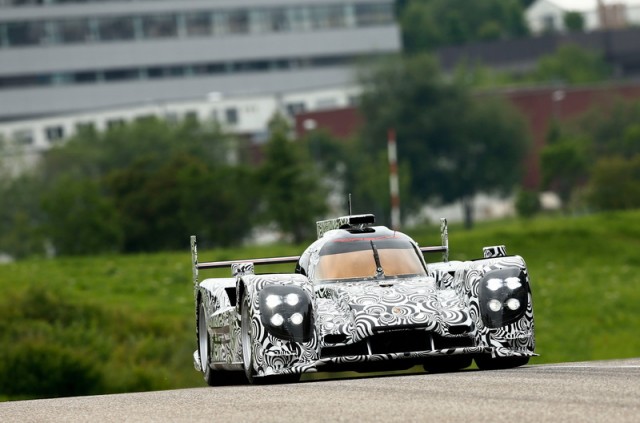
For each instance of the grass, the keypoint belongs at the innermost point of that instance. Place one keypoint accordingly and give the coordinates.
(125, 323)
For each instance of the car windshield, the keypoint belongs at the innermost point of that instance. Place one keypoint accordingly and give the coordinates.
(362, 258)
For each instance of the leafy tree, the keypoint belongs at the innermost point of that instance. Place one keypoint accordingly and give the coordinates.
(574, 21)
(427, 25)
(454, 144)
(564, 162)
(291, 187)
(612, 128)
(573, 65)
(602, 135)
(80, 219)
(140, 187)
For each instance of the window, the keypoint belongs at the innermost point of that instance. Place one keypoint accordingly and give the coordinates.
(299, 18)
(238, 22)
(25, 81)
(373, 14)
(26, 33)
(155, 72)
(54, 133)
(548, 23)
(23, 137)
(120, 75)
(159, 26)
(326, 103)
(231, 115)
(120, 28)
(74, 31)
(115, 123)
(295, 108)
(278, 20)
(175, 71)
(198, 24)
(354, 257)
(4, 41)
(327, 17)
(259, 21)
(85, 77)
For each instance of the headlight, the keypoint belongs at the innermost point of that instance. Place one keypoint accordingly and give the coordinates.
(286, 313)
(495, 305)
(513, 304)
(503, 296)
(273, 301)
(292, 299)
(277, 320)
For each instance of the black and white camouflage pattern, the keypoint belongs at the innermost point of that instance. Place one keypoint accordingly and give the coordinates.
(446, 298)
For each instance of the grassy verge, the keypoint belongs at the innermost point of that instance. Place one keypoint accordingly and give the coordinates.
(93, 325)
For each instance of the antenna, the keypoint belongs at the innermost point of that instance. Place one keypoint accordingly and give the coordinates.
(349, 204)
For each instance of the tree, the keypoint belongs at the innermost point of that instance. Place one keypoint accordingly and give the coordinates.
(427, 25)
(79, 218)
(291, 187)
(612, 128)
(574, 21)
(454, 144)
(564, 162)
(608, 135)
(144, 186)
(572, 65)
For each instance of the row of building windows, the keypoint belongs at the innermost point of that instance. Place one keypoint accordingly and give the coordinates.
(193, 24)
(54, 134)
(173, 71)
(230, 115)
(14, 3)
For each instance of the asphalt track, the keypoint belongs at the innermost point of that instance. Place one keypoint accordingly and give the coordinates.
(604, 391)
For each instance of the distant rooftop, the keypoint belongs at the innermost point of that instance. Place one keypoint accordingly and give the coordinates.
(588, 5)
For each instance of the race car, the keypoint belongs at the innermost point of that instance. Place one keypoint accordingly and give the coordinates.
(361, 298)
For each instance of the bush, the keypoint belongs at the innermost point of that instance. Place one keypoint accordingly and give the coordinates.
(615, 184)
(44, 369)
(58, 343)
(527, 203)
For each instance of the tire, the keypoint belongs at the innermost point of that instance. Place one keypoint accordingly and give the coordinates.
(447, 364)
(247, 337)
(212, 377)
(485, 362)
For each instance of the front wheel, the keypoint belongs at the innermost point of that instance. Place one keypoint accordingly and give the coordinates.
(485, 362)
(246, 334)
(212, 377)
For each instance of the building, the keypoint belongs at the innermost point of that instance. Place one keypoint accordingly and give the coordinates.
(544, 16)
(65, 63)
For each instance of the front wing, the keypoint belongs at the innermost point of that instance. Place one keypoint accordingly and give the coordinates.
(350, 362)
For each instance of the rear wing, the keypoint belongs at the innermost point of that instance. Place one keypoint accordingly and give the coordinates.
(242, 267)
(238, 267)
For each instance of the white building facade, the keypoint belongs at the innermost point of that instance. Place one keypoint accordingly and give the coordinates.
(66, 63)
(545, 16)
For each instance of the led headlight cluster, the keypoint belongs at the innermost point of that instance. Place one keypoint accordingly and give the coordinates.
(503, 296)
(286, 312)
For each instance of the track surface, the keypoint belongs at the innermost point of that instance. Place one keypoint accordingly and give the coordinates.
(605, 391)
